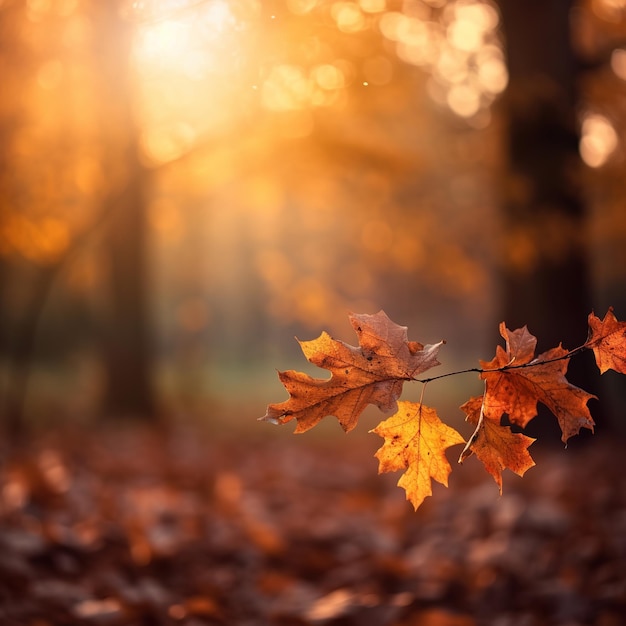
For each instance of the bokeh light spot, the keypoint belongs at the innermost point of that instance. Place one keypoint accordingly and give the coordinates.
(464, 100)
(598, 141)
(373, 6)
(465, 35)
(618, 63)
(328, 77)
(348, 16)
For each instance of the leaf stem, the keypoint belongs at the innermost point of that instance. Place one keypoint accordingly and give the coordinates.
(467, 450)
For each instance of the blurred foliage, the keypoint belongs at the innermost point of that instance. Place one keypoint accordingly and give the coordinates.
(308, 157)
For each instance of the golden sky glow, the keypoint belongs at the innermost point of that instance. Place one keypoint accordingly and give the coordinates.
(192, 64)
(204, 66)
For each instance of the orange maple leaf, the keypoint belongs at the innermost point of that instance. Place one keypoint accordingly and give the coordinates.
(416, 441)
(519, 381)
(496, 446)
(607, 339)
(373, 373)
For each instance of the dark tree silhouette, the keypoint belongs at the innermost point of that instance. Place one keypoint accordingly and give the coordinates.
(128, 345)
(546, 268)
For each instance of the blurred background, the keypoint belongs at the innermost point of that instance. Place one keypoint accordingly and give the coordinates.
(186, 185)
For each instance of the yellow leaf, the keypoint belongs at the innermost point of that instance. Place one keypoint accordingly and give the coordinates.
(416, 441)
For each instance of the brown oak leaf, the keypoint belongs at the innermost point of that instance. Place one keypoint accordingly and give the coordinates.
(372, 373)
(607, 339)
(519, 381)
(416, 441)
(496, 446)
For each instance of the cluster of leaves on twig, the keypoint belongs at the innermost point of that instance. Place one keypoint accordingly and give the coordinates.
(515, 380)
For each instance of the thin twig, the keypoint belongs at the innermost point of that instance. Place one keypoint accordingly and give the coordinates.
(507, 367)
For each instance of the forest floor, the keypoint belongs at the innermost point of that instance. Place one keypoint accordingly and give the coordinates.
(130, 527)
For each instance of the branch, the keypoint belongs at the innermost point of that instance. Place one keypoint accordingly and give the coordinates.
(506, 368)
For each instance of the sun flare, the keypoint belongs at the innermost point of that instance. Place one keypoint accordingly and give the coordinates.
(194, 42)
(189, 62)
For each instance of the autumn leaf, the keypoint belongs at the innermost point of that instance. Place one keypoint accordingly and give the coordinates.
(496, 446)
(607, 339)
(372, 373)
(416, 441)
(519, 381)
(415, 438)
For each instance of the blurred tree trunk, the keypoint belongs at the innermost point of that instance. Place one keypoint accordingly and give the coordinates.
(16, 67)
(128, 345)
(9, 49)
(546, 277)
